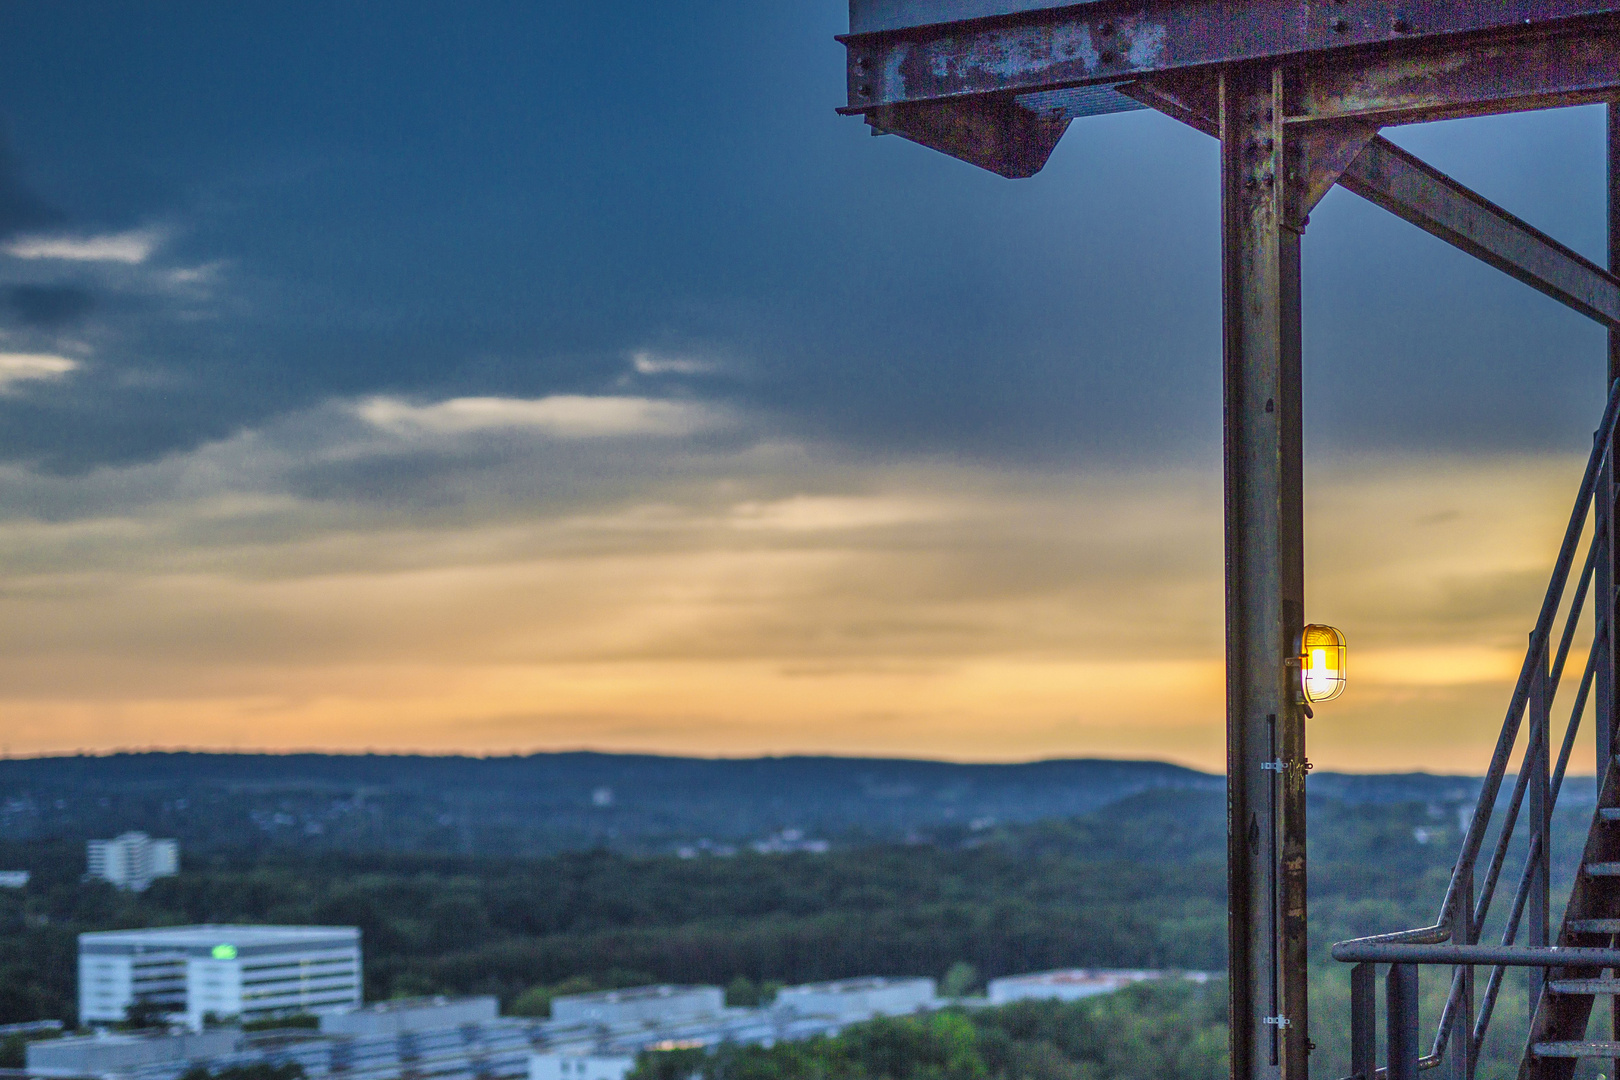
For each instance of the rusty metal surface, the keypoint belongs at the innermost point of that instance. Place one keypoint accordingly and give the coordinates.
(1325, 152)
(1614, 363)
(1117, 39)
(1388, 176)
(1076, 102)
(1265, 586)
(1533, 71)
(1368, 951)
(1577, 1049)
(994, 134)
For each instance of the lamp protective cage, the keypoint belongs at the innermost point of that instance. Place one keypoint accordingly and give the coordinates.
(1321, 663)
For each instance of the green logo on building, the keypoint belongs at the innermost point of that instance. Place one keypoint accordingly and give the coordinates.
(224, 952)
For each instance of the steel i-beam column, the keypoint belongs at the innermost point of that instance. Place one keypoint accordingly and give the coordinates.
(1614, 227)
(1264, 581)
(1607, 609)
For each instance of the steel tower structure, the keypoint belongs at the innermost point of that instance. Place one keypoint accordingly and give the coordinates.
(1297, 91)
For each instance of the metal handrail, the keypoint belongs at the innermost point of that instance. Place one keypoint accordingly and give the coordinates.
(1407, 942)
(1522, 893)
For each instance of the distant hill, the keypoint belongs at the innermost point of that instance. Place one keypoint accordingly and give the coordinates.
(545, 803)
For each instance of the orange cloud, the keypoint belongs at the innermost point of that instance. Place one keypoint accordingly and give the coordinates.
(761, 598)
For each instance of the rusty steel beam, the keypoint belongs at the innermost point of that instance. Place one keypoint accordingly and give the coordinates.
(1385, 174)
(1112, 40)
(1575, 66)
(1264, 494)
(992, 133)
(1265, 584)
(1614, 268)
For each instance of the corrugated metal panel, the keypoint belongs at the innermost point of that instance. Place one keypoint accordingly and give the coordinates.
(866, 16)
(1078, 101)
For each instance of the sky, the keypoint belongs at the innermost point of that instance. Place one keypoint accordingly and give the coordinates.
(513, 377)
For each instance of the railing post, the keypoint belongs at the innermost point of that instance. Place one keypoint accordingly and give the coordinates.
(1364, 1021)
(1539, 913)
(1460, 1040)
(1401, 988)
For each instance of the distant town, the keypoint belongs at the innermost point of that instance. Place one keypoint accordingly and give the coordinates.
(231, 997)
(601, 917)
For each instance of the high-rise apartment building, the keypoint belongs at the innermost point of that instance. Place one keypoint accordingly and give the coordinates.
(133, 860)
(245, 972)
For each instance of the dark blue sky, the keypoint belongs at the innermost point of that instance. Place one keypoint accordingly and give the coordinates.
(441, 199)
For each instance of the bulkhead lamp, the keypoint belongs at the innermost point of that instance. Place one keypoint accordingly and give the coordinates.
(1321, 663)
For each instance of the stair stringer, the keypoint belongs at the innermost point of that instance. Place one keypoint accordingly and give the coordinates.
(1563, 1017)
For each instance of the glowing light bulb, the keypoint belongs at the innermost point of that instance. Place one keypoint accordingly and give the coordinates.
(1322, 670)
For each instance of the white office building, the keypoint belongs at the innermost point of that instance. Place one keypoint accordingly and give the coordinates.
(644, 1005)
(133, 860)
(411, 1015)
(1074, 983)
(246, 972)
(850, 1001)
(106, 1054)
(564, 1066)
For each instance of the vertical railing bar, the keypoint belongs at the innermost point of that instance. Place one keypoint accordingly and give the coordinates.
(1511, 816)
(1510, 822)
(1582, 585)
(1575, 714)
(1509, 932)
(1401, 1021)
(1487, 1006)
(1523, 780)
(1539, 863)
(1364, 1021)
(1488, 1001)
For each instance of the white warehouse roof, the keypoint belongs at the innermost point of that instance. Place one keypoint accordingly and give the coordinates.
(205, 938)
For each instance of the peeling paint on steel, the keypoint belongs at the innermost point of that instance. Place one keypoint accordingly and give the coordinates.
(1118, 39)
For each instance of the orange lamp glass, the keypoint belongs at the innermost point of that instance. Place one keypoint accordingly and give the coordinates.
(1321, 663)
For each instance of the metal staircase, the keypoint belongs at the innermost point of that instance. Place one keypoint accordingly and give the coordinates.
(1571, 972)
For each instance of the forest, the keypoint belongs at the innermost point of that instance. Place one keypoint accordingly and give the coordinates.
(1144, 1032)
(1139, 883)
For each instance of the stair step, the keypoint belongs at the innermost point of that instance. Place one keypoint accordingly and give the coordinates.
(1585, 986)
(1577, 1049)
(1609, 813)
(1603, 869)
(1595, 926)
